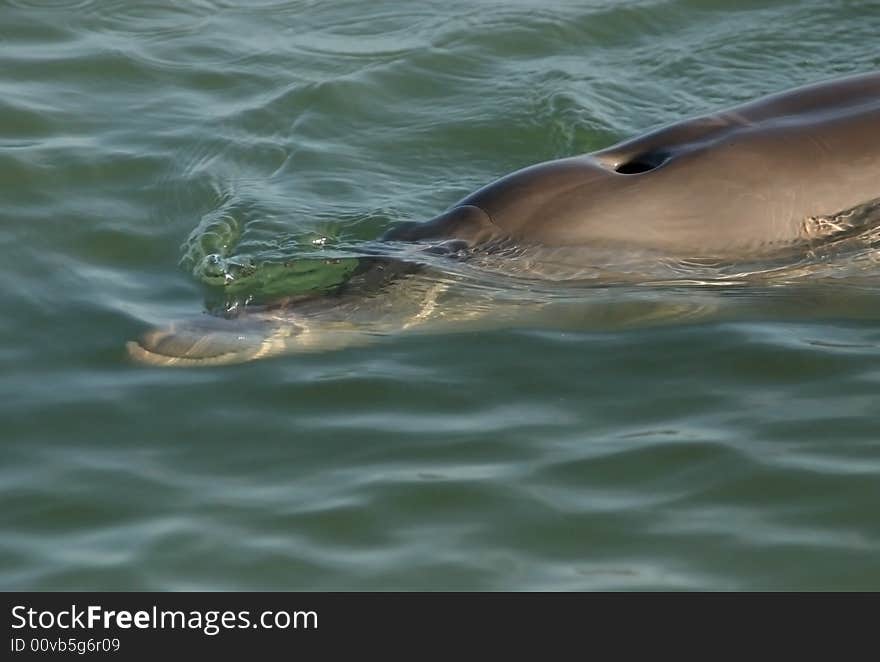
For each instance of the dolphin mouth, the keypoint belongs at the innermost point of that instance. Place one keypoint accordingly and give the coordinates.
(210, 342)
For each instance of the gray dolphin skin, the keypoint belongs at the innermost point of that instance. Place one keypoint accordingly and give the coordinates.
(742, 184)
(739, 182)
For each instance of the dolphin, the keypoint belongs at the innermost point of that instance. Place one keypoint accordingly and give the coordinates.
(786, 172)
(741, 182)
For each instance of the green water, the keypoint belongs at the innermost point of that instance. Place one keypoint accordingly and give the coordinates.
(739, 451)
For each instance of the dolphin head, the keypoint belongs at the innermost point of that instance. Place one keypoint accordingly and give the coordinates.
(698, 188)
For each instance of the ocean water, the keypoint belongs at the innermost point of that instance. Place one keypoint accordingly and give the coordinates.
(739, 449)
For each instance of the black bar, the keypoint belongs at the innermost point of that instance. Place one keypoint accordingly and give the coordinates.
(415, 625)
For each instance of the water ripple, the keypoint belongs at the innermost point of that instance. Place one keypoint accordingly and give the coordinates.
(701, 426)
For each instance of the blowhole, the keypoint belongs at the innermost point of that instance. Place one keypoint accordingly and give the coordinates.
(642, 163)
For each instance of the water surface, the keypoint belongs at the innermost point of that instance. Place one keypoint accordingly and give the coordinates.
(737, 450)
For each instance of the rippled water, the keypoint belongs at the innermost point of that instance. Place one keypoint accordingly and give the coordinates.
(677, 436)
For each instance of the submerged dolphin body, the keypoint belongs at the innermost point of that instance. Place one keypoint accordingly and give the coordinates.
(746, 184)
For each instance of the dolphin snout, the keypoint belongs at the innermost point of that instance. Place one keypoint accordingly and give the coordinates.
(210, 341)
